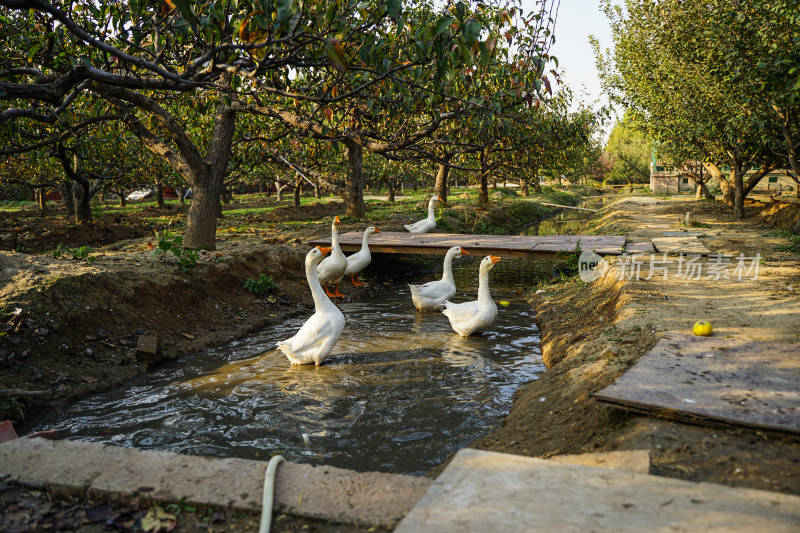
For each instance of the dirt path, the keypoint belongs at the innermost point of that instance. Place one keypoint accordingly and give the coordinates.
(592, 333)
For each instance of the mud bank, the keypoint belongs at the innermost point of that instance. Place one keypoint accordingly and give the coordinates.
(592, 333)
(73, 328)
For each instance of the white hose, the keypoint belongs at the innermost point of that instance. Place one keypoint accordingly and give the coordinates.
(269, 491)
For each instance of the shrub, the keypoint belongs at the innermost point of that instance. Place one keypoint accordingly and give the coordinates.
(260, 286)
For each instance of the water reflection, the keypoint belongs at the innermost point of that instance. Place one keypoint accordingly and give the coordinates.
(400, 392)
(566, 221)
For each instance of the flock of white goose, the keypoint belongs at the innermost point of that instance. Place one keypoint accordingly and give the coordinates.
(317, 337)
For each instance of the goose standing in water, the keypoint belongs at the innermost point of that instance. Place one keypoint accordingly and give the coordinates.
(427, 224)
(431, 296)
(332, 268)
(468, 317)
(361, 259)
(319, 334)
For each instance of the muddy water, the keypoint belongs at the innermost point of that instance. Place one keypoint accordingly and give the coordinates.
(401, 392)
(567, 221)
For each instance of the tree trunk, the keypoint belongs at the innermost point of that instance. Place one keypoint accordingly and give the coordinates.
(201, 219)
(390, 193)
(279, 187)
(483, 191)
(181, 195)
(159, 192)
(523, 187)
(67, 194)
(298, 185)
(442, 171)
(121, 197)
(738, 190)
(355, 181)
(205, 209)
(317, 193)
(722, 181)
(223, 193)
(83, 209)
(41, 200)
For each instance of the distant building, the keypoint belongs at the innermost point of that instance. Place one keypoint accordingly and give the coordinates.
(666, 179)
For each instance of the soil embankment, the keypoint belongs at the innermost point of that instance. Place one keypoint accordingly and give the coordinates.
(592, 333)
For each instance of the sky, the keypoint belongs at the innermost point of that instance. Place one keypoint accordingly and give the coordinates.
(577, 19)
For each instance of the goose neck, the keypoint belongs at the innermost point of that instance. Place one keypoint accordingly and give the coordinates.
(321, 299)
(364, 243)
(447, 274)
(431, 213)
(483, 286)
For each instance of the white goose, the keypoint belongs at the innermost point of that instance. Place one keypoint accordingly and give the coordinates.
(319, 334)
(427, 224)
(361, 259)
(432, 295)
(468, 317)
(332, 268)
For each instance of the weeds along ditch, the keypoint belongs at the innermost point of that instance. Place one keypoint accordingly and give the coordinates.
(401, 392)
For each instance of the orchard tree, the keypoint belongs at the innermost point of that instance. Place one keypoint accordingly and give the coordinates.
(238, 57)
(666, 68)
(630, 151)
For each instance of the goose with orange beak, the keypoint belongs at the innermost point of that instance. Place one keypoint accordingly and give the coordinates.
(361, 259)
(431, 296)
(331, 270)
(426, 224)
(317, 337)
(468, 317)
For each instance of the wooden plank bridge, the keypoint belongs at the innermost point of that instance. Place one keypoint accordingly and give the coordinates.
(400, 242)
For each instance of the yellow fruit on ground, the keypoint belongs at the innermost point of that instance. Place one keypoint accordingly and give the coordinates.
(702, 328)
(504, 303)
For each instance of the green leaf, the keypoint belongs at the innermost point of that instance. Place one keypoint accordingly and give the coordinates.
(334, 50)
(461, 10)
(395, 9)
(443, 23)
(32, 52)
(186, 10)
(472, 31)
(330, 14)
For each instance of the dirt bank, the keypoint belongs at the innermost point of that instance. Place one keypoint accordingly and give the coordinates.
(592, 333)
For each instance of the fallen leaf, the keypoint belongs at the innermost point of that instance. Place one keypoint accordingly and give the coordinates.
(188, 335)
(157, 520)
(89, 379)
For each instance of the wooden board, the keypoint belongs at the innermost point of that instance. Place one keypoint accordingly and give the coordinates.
(715, 381)
(500, 245)
(482, 491)
(681, 245)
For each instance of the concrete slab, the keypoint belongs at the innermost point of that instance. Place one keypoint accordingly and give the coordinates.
(127, 475)
(485, 491)
(639, 248)
(680, 245)
(683, 234)
(637, 461)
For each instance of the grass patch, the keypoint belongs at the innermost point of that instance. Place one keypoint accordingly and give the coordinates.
(794, 240)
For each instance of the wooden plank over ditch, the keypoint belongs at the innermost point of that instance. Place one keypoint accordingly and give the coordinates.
(715, 381)
(482, 491)
(500, 245)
